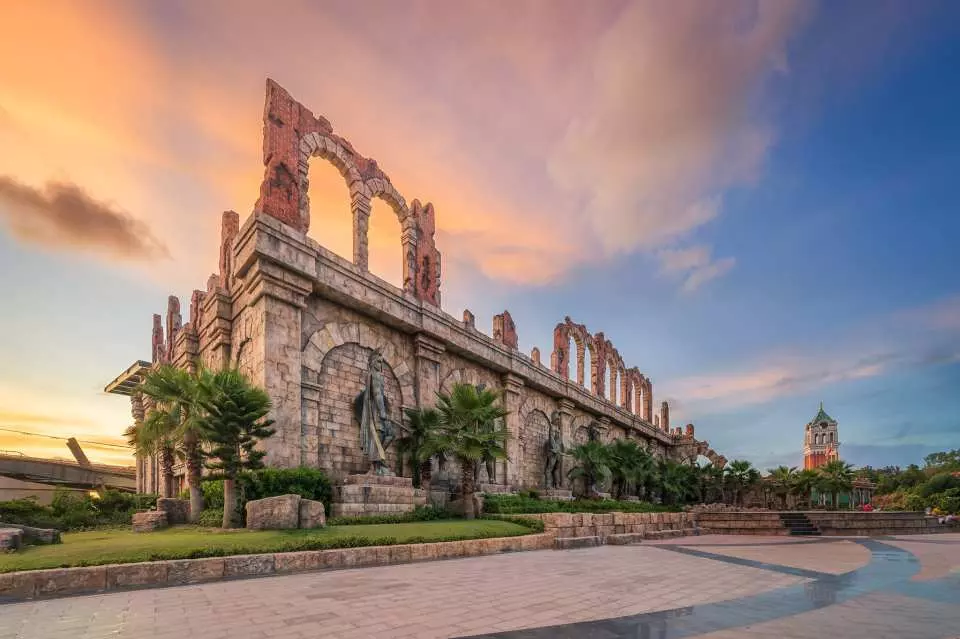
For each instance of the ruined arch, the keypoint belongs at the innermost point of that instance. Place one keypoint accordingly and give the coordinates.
(562, 357)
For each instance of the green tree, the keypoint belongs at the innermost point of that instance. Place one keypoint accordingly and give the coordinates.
(678, 482)
(157, 435)
(836, 476)
(234, 421)
(629, 466)
(804, 483)
(711, 483)
(781, 481)
(592, 465)
(419, 443)
(741, 475)
(180, 390)
(472, 430)
(948, 460)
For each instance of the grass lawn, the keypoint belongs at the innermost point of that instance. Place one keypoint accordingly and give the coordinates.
(117, 546)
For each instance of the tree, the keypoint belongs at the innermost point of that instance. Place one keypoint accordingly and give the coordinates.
(234, 421)
(471, 430)
(741, 474)
(781, 480)
(629, 466)
(419, 443)
(711, 483)
(803, 484)
(180, 390)
(592, 465)
(836, 476)
(156, 435)
(678, 482)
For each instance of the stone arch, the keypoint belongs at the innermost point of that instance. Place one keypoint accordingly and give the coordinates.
(564, 332)
(368, 336)
(468, 375)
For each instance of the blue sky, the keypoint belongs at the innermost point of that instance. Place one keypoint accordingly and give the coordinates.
(760, 214)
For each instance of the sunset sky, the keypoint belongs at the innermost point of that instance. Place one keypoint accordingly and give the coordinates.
(756, 202)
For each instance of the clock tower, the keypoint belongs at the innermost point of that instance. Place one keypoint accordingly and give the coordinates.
(820, 441)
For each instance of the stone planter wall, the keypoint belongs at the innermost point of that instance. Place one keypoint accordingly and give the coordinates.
(16, 586)
(602, 525)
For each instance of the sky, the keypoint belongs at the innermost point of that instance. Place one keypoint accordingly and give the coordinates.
(755, 201)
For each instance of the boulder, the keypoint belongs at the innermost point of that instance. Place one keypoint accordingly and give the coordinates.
(178, 510)
(10, 539)
(312, 514)
(36, 535)
(149, 521)
(274, 513)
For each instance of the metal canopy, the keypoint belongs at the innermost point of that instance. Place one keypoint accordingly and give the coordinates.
(128, 381)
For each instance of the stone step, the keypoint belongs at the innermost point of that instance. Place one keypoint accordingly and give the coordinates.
(567, 543)
(624, 539)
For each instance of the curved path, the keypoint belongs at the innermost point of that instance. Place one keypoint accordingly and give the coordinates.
(710, 586)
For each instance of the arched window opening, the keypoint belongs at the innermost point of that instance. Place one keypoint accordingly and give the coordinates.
(588, 369)
(331, 219)
(385, 250)
(571, 359)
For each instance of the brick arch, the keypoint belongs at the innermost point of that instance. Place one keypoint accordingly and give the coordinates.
(533, 439)
(562, 334)
(367, 336)
(467, 375)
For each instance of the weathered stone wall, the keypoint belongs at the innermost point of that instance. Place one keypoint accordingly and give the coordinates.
(301, 321)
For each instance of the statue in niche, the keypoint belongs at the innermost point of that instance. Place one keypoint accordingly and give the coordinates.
(372, 409)
(593, 431)
(553, 472)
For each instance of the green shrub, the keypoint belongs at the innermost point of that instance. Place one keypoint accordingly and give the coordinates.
(508, 504)
(914, 502)
(309, 483)
(948, 501)
(420, 513)
(937, 484)
(211, 518)
(70, 510)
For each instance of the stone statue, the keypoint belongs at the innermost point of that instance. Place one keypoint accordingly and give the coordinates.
(553, 472)
(593, 431)
(372, 409)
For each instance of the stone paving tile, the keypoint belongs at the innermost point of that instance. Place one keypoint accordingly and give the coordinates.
(829, 557)
(939, 555)
(441, 599)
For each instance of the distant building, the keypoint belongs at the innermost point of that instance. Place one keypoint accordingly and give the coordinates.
(821, 442)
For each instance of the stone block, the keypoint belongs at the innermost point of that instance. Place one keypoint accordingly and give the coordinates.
(603, 519)
(248, 565)
(624, 539)
(148, 573)
(36, 535)
(312, 514)
(274, 513)
(149, 521)
(66, 581)
(568, 543)
(284, 562)
(17, 585)
(191, 571)
(10, 539)
(178, 510)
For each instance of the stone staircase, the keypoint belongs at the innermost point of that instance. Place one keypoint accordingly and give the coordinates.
(799, 524)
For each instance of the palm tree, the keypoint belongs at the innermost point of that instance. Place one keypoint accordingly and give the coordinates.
(741, 474)
(179, 389)
(803, 484)
(836, 476)
(234, 421)
(629, 464)
(678, 482)
(419, 443)
(781, 480)
(156, 435)
(593, 465)
(711, 483)
(472, 431)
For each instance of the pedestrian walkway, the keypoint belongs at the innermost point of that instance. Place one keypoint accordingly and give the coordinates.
(711, 586)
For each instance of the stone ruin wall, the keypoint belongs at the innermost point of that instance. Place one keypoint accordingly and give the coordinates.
(301, 321)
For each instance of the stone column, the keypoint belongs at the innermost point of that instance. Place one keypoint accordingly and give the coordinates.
(361, 222)
(274, 298)
(408, 239)
(215, 335)
(512, 397)
(565, 409)
(428, 352)
(136, 410)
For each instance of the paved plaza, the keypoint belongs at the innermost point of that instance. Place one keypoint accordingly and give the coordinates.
(709, 586)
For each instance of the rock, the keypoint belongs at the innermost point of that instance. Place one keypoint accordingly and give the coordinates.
(178, 510)
(36, 535)
(10, 539)
(149, 521)
(312, 514)
(274, 513)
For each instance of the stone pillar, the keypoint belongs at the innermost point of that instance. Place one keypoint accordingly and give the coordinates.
(565, 409)
(512, 397)
(137, 412)
(215, 336)
(408, 240)
(274, 300)
(428, 352)
(361, 222)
